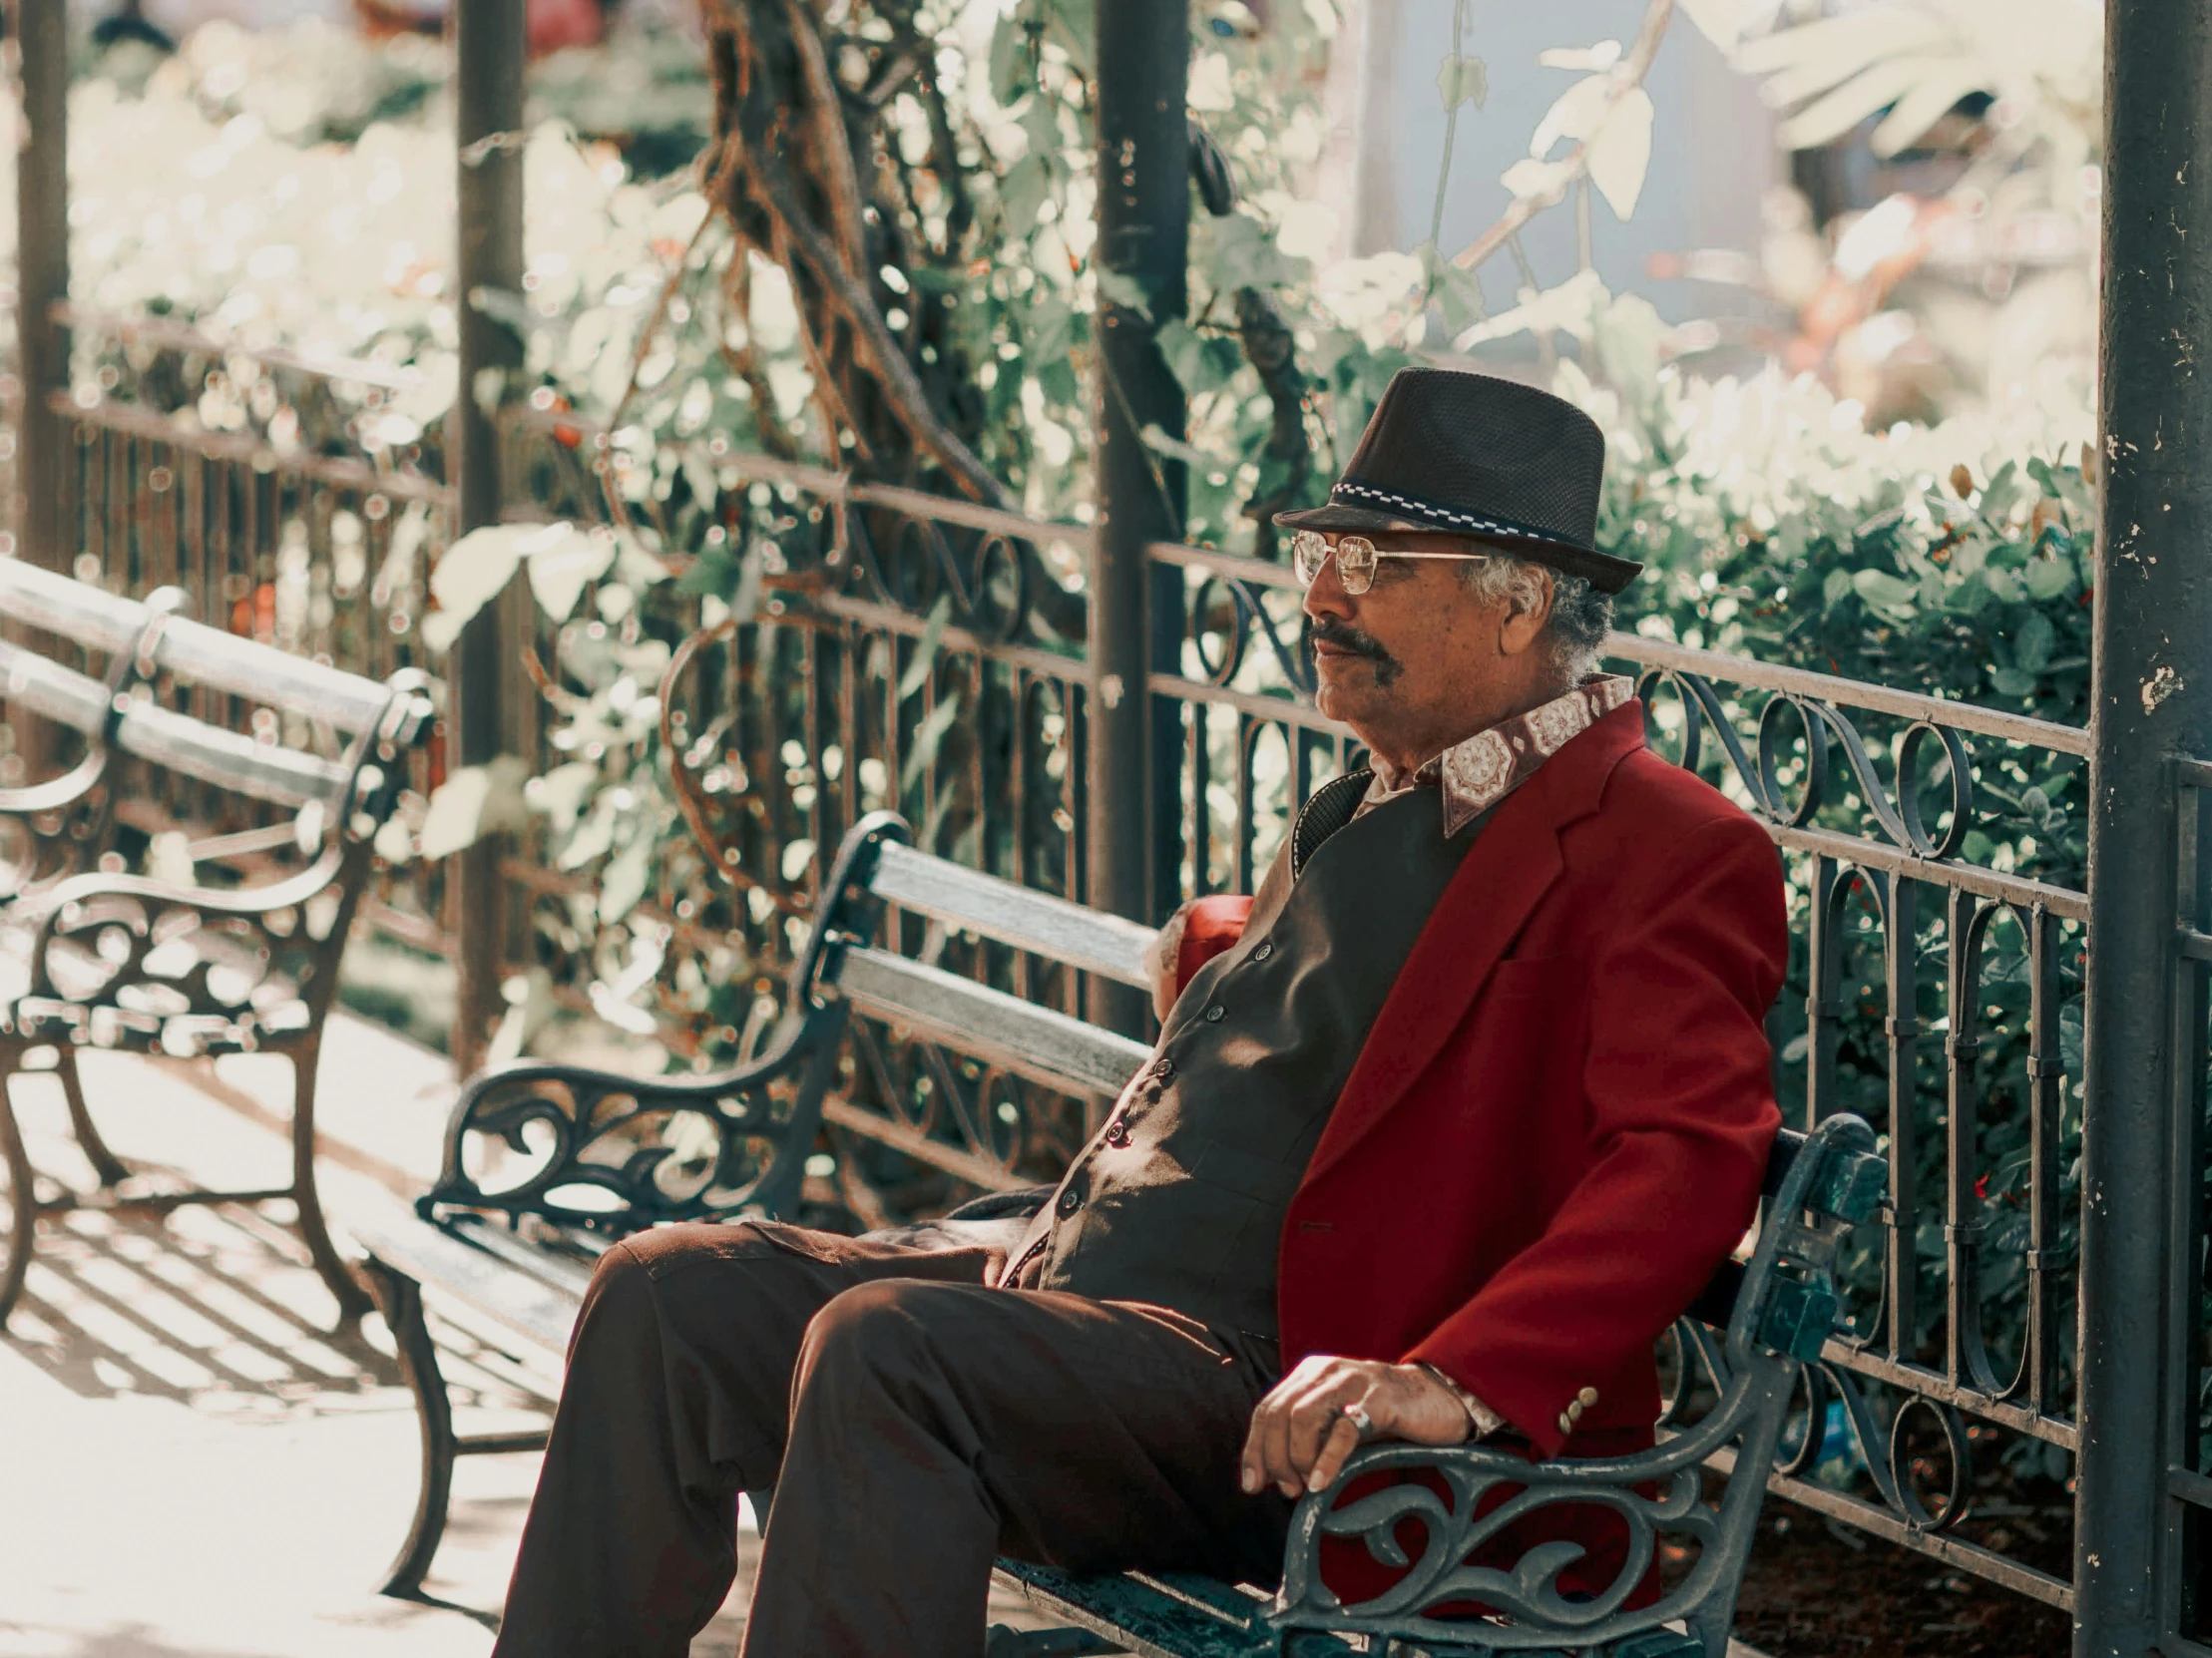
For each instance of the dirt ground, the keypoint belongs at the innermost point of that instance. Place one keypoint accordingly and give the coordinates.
(1813, 1591)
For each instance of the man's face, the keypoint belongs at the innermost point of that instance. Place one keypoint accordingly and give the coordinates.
(1414, 653)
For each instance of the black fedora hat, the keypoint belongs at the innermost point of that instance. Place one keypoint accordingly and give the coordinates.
(1455, 453)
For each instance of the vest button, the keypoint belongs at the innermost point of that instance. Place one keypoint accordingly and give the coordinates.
(1164, 1070)
(1216, 1013)
(1069, 1201)
(1118, 1133)
(1266, 949)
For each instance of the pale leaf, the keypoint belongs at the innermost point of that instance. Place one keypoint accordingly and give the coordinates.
(1531, 178)
(1594, 59)
(925, 648)
(563, 564)
(1621, 151)
(1942, 83)
(1573, 115)
(1841, 46)
(1567, 308)
(625, 881)
(1827, 119)
(927, 737)
(472, 572)
(1818, 56)
(473, 802)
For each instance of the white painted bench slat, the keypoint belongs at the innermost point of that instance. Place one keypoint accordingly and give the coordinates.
(974, 902)
(192, 651)
(990, 1025)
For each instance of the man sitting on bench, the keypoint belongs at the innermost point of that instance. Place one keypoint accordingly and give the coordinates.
(1444, 1127)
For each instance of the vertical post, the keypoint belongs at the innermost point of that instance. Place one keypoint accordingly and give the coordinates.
(1135, 814)
(489, 38)
(41, 45)
(2153, 701)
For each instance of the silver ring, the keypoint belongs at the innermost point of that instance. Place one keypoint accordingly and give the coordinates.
(1357, 1415)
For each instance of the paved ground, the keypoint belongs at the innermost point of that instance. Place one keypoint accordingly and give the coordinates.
(191, 1465)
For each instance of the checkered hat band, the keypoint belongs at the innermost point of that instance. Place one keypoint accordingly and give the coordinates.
(1350, 492)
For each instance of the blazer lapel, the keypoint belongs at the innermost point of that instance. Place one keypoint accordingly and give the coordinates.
(1506, 874)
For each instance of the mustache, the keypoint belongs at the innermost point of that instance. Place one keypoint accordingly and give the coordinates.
(1344, 637)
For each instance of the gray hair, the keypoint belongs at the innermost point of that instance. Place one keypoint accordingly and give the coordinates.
(1581, 617)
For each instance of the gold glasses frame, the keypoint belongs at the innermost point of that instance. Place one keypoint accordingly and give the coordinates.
(1356, 558)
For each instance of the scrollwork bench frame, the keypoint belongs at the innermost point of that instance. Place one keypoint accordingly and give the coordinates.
(138, 965)
(518, 1252)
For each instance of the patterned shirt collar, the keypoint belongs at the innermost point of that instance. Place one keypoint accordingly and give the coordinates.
(1472, 775)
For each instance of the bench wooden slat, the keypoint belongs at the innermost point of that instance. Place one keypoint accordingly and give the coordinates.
(990, 1025)
(191, 649)
(974, 902)
(514, 1299)
(48, 689)
(560, 1272)
(230, 760)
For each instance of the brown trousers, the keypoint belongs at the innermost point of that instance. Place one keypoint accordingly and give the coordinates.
(913, 1424)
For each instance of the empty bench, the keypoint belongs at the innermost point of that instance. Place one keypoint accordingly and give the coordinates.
(104, 959)
(547, 1164)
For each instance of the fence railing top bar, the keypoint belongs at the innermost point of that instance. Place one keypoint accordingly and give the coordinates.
(842, 487)
(1258, 572)
(137, 421)
(954, 641)
(974, 516)
(1850, 694)
(1289, 710)
(180, 337)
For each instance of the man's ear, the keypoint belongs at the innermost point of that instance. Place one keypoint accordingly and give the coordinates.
(1522, 628)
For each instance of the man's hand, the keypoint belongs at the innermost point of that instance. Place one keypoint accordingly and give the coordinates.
(1301, 1435)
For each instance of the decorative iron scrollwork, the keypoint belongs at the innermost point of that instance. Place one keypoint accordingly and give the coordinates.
(615, 1153)
(1896, 812)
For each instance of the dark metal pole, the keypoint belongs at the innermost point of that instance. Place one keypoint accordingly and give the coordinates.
(2154, 676)
(1143, 240)
(489, 37)
(41, 30)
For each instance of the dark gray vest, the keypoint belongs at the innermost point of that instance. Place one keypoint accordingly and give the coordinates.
(1179, 1200)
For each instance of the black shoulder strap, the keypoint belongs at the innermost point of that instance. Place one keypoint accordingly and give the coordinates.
(1328, 809)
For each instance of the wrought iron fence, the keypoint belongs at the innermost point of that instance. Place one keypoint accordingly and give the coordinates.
(896, 658)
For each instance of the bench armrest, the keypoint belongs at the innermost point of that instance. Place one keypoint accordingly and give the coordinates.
(1468, 1496)
(616, 1153)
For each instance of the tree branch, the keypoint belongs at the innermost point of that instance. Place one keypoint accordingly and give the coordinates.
(1574, 165)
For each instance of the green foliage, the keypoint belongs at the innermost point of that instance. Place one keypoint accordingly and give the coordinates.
(1951, 561)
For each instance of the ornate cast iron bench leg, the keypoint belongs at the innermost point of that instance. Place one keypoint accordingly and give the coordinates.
(18, 1199)
(315, 1231)
(111, 1169)
(400, 1299)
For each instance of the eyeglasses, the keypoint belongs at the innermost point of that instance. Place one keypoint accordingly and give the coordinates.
(1355, 559)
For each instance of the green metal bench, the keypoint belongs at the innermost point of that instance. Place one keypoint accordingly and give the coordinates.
(546, 1164)
(110, 960)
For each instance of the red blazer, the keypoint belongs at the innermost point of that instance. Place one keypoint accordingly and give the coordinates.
(1557, 1129)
